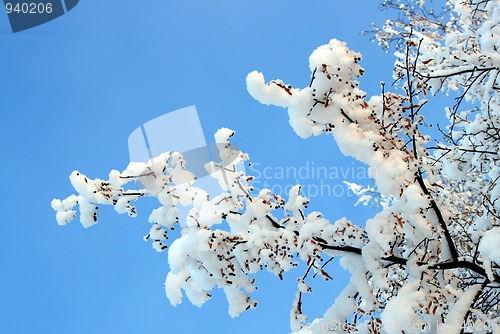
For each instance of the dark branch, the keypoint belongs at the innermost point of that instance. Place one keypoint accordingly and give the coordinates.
(462, 264)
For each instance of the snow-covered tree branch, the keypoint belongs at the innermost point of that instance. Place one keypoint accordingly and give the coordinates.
(427, 261)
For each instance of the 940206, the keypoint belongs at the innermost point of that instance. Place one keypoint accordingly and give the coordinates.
(28, 8)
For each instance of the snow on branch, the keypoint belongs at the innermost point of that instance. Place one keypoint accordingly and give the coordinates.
(426, 262)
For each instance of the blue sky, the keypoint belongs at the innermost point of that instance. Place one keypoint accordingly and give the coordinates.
(72, 91)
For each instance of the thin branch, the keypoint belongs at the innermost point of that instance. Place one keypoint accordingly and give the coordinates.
(428, 76)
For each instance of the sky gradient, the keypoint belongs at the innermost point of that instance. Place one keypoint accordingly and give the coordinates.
(73, 89)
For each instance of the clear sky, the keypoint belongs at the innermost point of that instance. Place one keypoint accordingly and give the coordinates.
(71, 92)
